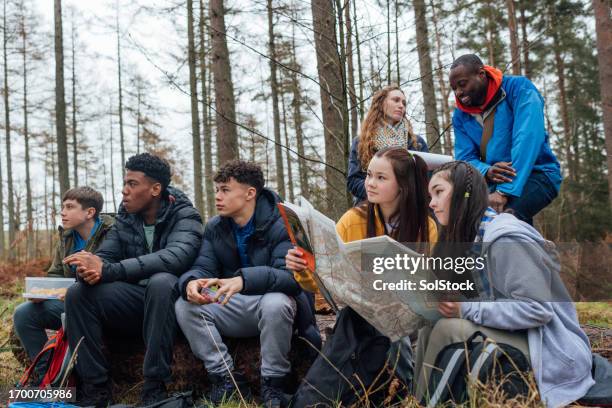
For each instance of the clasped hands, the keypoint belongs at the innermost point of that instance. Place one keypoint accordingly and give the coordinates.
(500, 172)
(226, 289)
(88, 266)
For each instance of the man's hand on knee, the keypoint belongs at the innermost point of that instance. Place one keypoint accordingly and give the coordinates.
(194, 292)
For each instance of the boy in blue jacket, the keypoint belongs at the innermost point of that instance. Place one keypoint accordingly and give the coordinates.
(243, 255)
(522, 171)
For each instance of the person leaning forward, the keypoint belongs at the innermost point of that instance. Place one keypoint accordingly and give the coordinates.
(130, 285)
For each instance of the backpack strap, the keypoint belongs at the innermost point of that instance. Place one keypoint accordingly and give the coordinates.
(487, 132)
(486, 351)
(49, 347)
(448, 376)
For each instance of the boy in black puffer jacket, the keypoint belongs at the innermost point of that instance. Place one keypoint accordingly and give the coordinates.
(243, 254)
(130, 284)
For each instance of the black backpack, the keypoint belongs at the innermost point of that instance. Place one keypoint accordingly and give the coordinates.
(485, 361)
(351, 366)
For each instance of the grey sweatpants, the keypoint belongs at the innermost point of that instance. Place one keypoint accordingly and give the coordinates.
(270, 316)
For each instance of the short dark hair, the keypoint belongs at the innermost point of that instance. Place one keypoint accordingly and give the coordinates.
(87, 197)
(471, 61)
(152, 166)
(243, 172)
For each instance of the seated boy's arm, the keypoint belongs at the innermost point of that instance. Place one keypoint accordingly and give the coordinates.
(56, 269)
(206, 265)
(259, 280)
(183, 244)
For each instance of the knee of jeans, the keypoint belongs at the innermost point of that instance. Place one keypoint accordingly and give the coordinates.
(446, 327)
(23, 313)
(163, 283)
(275, 305)
(76, 293)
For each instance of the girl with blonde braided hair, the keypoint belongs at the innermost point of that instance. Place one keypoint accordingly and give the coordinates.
(385, 125)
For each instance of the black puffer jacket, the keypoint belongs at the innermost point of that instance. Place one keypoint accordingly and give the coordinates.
(266, 249)
(177, 239)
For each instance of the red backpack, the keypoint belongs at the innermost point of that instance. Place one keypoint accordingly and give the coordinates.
(59, 364)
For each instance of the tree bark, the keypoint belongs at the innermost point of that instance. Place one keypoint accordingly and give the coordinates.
(60, 102)
(397, 47)
(287, 152)
(297, 120)
(74, 109)
(359, 71)
(446, 124)
(207, 139)
(344, 100)
(514, 41)
(603, 29)
(524, 40)
(9, 160)
(350, 68)
(195, 114)
(112, 166)
(278, 152)
(388, 41)
(425, 66)
(227, 135)
(331, 92)
(30, 249)
(121, 134)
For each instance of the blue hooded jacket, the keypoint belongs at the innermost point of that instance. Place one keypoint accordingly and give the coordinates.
(519, 136)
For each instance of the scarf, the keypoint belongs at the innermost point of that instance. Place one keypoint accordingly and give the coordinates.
(393, 136)
(495, 79)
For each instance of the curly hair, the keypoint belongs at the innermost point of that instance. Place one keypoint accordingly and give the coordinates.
(152, 166)
(243, 172)
(375, 119)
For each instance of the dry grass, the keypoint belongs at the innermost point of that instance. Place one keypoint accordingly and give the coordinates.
(596, 318)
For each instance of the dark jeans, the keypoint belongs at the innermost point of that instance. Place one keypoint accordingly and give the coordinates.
(537, 194)
(30, 321)
(128, 310)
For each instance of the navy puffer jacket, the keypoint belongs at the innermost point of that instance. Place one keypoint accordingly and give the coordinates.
(266, 250)
(177, 239)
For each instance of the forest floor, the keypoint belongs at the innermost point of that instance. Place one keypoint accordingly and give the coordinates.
(595, 318)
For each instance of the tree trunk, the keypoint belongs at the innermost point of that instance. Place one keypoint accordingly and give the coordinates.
(560, 68)
(397, 47)
(344, 102)
(60, 102)
(388, 41)
(208, 167)
(26, 137)
(278, 152)
(287, 152)
(112, 166)
(195, 114)
(227, 135)
(446, 124)
(524, 40)
(514, 41)
(427, 86)
(359, 72)
(297, 121)
(74, 109)
(138, 102)
(9, 159)
(350, 68)
(121, 134)
(603, 28)
(490, 34)
(331, 92)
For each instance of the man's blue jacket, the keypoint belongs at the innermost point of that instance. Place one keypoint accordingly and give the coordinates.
(519, 136)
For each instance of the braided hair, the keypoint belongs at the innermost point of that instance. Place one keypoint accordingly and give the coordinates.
(469, 202)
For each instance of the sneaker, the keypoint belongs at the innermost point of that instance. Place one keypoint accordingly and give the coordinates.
(152, 392)
(272, 392)
(223, 387)
(94, 395)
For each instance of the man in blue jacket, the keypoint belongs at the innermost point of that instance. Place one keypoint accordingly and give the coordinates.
(517, 161)
(239, 286)
(129, 285)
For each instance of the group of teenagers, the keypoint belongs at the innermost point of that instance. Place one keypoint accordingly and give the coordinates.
(153, 268)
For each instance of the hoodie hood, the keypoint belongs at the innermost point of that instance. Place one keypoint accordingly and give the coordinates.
(508, 225)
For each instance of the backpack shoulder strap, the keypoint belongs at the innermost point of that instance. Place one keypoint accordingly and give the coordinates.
(487, 132)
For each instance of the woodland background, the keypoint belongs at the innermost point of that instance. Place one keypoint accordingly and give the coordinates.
(285, 83)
